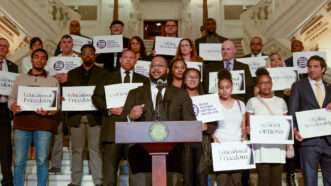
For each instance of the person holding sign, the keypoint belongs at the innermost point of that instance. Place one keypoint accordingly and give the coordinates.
(177, 69)
(269, 158)
(136, 44)
(5, 118)
(26, 65)
(113, 153)
(196, 155)
(156, 101)
(85, 125)
(256, 46)
(110, 61)
(232, 128)
(309, 94)
(186, 51)
(35, 127)
(229, 63)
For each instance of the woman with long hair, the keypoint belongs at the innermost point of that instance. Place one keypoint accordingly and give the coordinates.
(186, 51)
(177, 69)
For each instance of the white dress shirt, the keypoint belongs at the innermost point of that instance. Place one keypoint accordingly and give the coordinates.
(154, 91)
(123, 74)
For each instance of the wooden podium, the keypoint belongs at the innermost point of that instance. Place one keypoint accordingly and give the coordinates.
(158, 138)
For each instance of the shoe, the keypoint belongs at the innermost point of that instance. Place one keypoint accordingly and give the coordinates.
(54, 170)
(71, 184)
(290, 179)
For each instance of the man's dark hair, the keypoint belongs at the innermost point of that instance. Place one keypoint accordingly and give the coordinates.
(66, 36)
(318, 58)
(40, 50)
(35, 40)
(87, 46)
(116, 22)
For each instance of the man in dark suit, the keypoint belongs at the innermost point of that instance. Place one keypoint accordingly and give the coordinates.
(113, 153)
(5, 118)
(229, 63)
(85, 125)
(256, 46)
(308, 94)
(154, 102)
(110, 61)
(211, 36)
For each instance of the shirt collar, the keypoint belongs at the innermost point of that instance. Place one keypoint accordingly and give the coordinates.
(43, 74)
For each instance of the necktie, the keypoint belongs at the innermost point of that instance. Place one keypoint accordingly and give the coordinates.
(319, 94)
(127, 77)
(159, 103)
(228, 65)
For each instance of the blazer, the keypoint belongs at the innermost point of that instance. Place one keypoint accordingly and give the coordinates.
(107, 59)
(178, 108)
(216, 66)
(303, 98)
(99, 100)
(74, 79)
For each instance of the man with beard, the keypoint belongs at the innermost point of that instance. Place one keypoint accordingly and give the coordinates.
(155, 101)
(85, 122)
(211, 36)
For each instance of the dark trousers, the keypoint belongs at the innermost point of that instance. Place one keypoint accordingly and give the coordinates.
(269, 174)
(112, 155)
(5, 145)
(311, 157)
(228, 178)
(192, 159)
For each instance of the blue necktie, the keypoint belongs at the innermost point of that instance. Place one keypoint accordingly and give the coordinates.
(228, 65)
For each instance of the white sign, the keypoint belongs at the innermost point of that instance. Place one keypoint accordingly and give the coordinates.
(6, 82)
(314, 123)
(78, 98)
(116, 94)
(207, 108)
(32, 98)
(283, 77)
(108, 44)
(254, 63)
(266, 129)
(166, 45)
(229, 156)
(210, 51)
(79, 41)
(300, 59)
(59, 65)
(142, 67)
(238, 81)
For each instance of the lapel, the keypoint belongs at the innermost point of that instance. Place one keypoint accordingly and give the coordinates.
(311, 94)
(93, 77)
(236, 65)
(117, 76)
(11, 66)
(327, 97)
(148, 101)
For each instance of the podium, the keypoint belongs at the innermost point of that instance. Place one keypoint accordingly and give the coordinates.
(158, 138)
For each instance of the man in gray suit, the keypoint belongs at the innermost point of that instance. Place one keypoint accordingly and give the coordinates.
(308, 94)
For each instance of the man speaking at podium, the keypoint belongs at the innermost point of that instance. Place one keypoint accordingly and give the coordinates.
(156, 101)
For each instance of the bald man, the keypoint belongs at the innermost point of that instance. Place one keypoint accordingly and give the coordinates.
(256, 46)
(296, 46)
(230, 63)
(5, 118)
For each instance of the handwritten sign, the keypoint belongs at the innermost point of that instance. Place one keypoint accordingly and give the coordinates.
(33, 98)
(314, 123)
(210, 51)
(6, 82)
(254, 63)
(142, 67)
(238, 82)
(78, 98)
(166, 45)
(300, 59)
(283, 77)
(207, 108)
(266, 129)
(116, 94)
(79, 41)
(229, 156)
(108, 44)
(58, 65)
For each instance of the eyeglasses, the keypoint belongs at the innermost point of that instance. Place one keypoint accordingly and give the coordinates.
(191, 78)
(158, 66)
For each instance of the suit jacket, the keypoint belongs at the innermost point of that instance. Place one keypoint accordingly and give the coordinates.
(203, 39)
(107, 59)
(178, 107)
(99, 100)
(250, 55)
(74, 79)
(5, 114)
(216, 66)
(303, 98)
